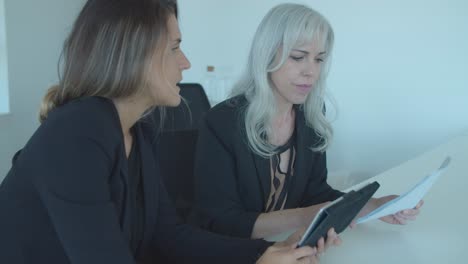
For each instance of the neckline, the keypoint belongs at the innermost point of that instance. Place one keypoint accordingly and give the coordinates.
(283, 148)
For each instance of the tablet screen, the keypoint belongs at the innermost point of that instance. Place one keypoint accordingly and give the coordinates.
(317, 219)
(337, 214)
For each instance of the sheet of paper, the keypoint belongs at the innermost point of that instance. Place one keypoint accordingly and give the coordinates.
(409, 199)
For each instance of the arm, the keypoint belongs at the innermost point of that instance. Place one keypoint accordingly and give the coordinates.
(181, 243)
(268, 224)
(317, 194)
(70, 175)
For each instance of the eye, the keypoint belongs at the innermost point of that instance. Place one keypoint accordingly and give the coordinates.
(176, 48)
(319, 60)
(297, 58)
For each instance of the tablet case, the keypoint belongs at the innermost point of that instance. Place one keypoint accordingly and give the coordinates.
(339, 215)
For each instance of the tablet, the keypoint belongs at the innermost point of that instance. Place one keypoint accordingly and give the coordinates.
(337, 214)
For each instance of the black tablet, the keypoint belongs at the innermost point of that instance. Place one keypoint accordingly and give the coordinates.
(337, 214)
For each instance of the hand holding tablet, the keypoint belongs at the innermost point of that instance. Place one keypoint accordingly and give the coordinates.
(338, 214)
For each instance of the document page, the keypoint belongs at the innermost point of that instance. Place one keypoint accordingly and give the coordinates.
(408, 200)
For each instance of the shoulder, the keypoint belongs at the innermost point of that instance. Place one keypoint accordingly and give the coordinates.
(226, 119)
(85, 109)
(225, 124)
(229, 112)
(91, 117)
(305, 129)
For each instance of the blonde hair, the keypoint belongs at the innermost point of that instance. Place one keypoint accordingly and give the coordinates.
(284, 27)
(110, 50)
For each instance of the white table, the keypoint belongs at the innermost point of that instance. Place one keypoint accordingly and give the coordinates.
(439, 235)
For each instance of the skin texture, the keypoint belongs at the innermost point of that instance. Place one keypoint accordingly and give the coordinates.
(164, 80)
(296, 78)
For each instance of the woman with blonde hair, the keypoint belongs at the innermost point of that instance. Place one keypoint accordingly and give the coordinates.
(86, 187)
(260, 167)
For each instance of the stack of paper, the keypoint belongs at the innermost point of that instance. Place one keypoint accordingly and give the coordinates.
(409, 199)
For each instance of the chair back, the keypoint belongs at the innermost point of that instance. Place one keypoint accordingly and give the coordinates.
(176, 160)
(176, 145)
(189, 113)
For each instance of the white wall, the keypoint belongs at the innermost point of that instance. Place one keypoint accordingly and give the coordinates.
(4, 103)
(399, 70)
(35, 32)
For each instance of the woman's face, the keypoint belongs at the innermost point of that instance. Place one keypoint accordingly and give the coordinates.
(164, 78)
(294, 80)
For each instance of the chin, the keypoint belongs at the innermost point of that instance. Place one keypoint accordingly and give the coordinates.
(299, 100)
(174, 102)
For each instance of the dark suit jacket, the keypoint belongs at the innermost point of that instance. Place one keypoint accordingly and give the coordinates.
(232, 184)
(65, 199)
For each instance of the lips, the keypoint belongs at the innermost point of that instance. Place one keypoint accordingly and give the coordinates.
(304, 88)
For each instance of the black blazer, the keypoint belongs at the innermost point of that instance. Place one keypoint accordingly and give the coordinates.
(65, 199)
(232, 184)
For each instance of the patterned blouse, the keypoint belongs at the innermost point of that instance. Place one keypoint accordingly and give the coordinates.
(280, 180)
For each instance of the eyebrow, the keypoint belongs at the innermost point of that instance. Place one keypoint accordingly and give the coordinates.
(177, 41)
(306, 52)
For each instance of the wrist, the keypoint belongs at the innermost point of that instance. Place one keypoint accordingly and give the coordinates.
(306, 215)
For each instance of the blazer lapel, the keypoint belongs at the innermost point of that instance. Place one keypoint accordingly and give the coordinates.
(123, 195)
(302, 162)
(262, 166)
(150, 177)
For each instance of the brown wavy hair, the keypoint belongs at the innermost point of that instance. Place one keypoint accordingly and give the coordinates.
(109, 49)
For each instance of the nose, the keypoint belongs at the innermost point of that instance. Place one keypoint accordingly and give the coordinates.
(309, 72)
(185, 63)
(311, 69)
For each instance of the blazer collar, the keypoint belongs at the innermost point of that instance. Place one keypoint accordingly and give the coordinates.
(302, 162)
(150, 183)
(300, 177)
(262, 166)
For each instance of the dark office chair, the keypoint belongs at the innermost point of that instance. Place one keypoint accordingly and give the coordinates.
(189, 113)
(176, 145)
(176, 157)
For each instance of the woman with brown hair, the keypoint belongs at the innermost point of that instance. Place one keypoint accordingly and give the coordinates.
(86, 187)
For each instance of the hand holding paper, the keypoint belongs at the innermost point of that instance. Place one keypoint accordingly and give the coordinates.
(409, 199)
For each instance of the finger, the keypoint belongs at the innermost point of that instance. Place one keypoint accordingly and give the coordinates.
(392, 219)
(419, 204)
(407, 215)
(409, 212)
(337, 241)
(320, 245)
(404, 216)
(303, 252)
(331, 236)
(400, 220)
